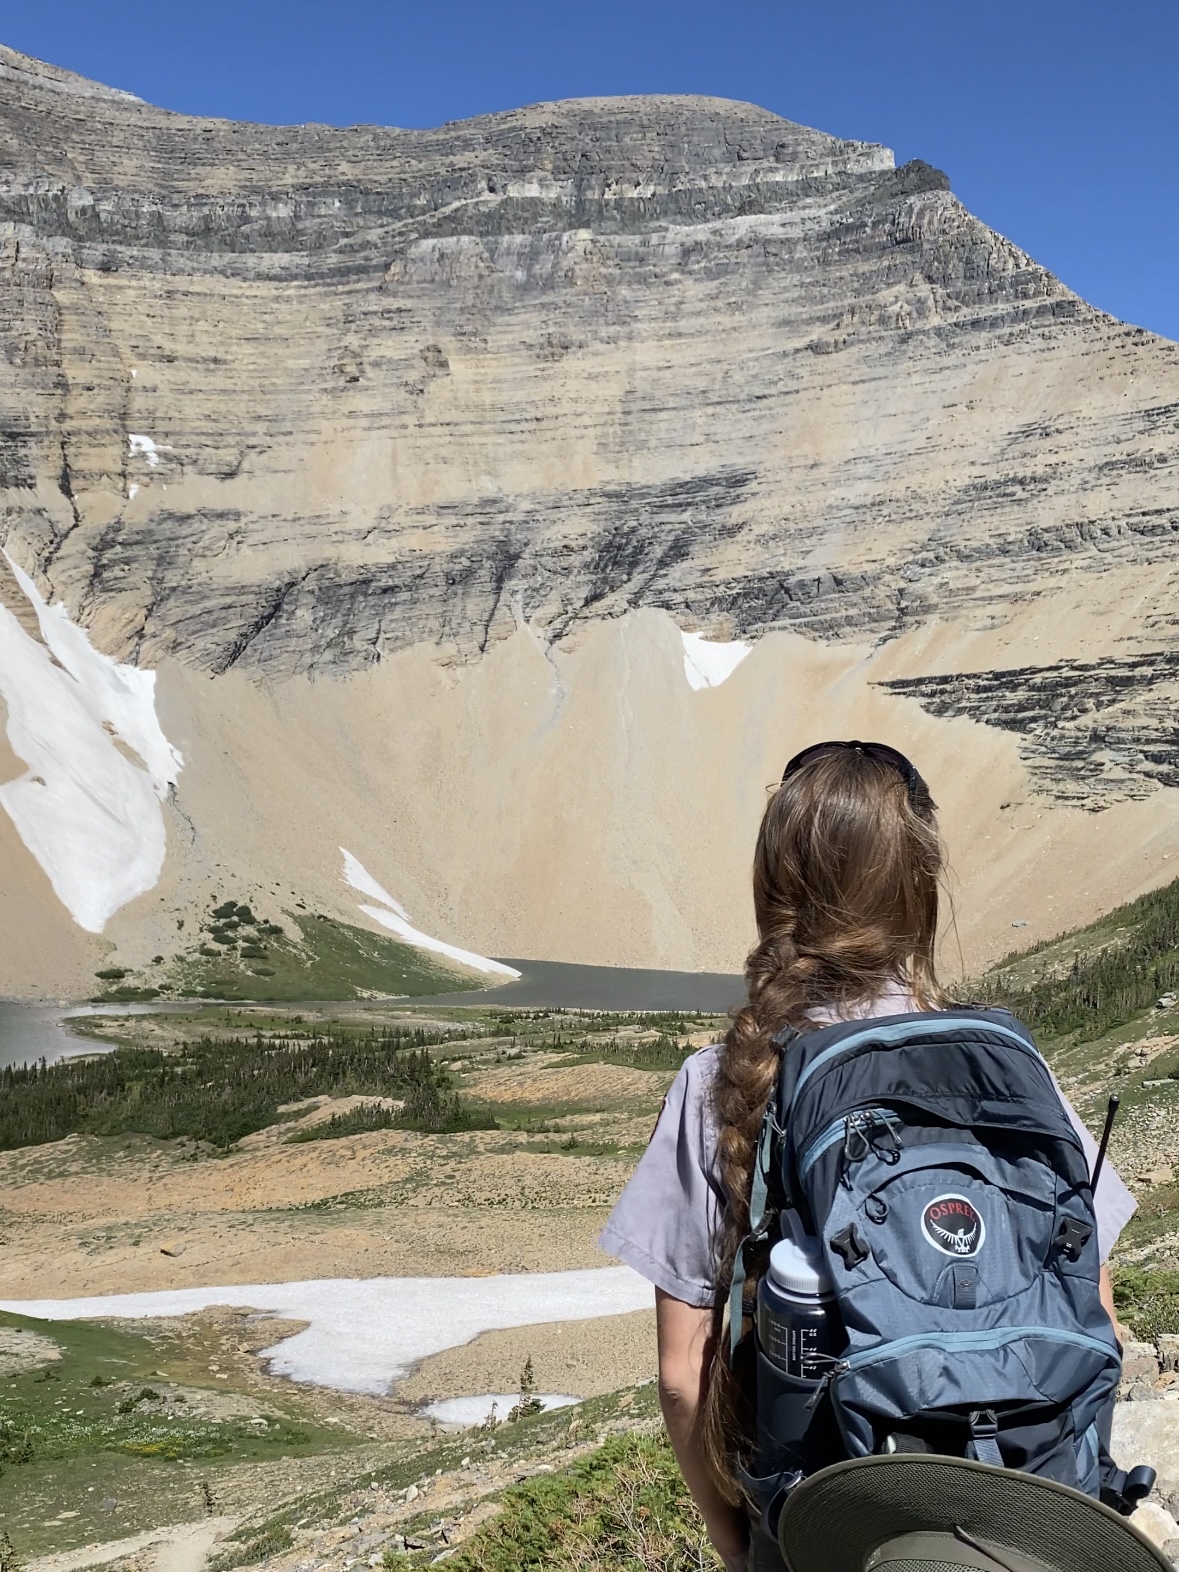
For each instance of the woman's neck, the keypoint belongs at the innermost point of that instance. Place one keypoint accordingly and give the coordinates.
(895, 998)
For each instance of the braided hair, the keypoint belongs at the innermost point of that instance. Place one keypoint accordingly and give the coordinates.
(845, 894)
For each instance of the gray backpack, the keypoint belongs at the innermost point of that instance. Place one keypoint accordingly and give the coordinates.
(931, 1155)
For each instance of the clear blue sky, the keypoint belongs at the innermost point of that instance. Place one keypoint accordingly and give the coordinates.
(1056, 120)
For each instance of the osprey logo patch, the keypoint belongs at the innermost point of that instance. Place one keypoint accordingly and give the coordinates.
(952, 1225)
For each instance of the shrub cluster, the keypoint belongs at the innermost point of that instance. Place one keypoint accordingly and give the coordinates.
(428, 1105)
(1147, 1301)
(1108, 987)
(222, 1088)
(622, 1508)
(665, 1053)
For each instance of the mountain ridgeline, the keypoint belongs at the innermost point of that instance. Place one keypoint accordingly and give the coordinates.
(339, 291)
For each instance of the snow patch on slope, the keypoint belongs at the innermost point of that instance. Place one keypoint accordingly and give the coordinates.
(464, 1412)
(87, 812)
(706, 663)
(365, 1334)
(145, 447)
(392, 915)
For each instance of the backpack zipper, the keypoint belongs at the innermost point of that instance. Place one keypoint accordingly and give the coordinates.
(835, 1367)
(863, 1117)
(950, 1342)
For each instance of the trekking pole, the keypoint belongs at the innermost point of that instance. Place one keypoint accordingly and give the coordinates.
(1110, 1115)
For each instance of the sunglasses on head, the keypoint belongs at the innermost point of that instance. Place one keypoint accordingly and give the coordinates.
(919, 797)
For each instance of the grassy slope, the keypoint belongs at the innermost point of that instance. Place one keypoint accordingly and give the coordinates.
(65, 1447)
(1095, 979)
(616, 1506)
(621, 1506)
(261, 960)
(98, 1475)
(1093, 999)
(332, 960)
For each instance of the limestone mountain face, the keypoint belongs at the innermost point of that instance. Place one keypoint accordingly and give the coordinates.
(415, 448)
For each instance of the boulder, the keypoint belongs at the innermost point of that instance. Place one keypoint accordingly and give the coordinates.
(1149, 1433)
(1157, 1524)
(1140, 1362)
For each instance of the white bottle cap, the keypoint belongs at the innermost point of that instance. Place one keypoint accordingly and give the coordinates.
(799, 1269)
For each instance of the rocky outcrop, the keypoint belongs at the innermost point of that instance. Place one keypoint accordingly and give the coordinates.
(1091, 732)
(1145, 1429)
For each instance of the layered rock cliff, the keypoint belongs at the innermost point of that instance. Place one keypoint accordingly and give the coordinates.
(288, 410)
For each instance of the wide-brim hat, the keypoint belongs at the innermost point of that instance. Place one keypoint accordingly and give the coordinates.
(919, 1512)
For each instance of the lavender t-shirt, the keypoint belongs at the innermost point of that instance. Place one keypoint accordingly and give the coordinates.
(667, 1218)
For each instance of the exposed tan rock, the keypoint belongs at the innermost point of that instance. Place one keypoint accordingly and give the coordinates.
(21, 1349)
(1157, 1524)
(1149, 1433)
(585, 1359)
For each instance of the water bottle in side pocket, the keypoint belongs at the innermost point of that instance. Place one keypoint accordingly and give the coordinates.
(799, 1336)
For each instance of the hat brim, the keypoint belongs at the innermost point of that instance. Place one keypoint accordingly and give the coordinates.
(836, 1520)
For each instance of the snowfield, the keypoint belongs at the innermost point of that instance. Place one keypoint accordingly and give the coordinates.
(392, 915)
(708, 664)
(463, 1412)
(365, 1334)
(88, 807)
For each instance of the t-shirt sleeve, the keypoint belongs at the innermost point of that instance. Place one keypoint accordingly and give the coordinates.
(665, 1221)
(1113, 1203)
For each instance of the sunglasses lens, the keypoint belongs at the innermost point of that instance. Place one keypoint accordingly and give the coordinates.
(809, 753)
(880, 751)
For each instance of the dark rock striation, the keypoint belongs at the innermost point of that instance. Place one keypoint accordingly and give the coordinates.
(1091, 733)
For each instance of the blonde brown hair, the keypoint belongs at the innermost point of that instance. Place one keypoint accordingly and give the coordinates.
(845, 893)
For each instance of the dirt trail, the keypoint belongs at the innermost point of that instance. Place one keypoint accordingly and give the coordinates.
(181, 1547)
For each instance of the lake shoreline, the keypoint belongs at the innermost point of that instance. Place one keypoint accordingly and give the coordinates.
(30, 1031)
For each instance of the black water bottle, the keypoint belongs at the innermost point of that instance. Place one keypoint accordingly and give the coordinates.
(799, 1336)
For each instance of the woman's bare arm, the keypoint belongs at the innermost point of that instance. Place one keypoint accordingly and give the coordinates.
(685, 1357)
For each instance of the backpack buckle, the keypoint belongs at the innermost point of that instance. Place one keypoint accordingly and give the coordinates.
(849, 1243)
(1072, 1238)
(984, 1433)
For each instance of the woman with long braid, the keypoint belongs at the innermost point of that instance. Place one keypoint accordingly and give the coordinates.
(845, 896)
